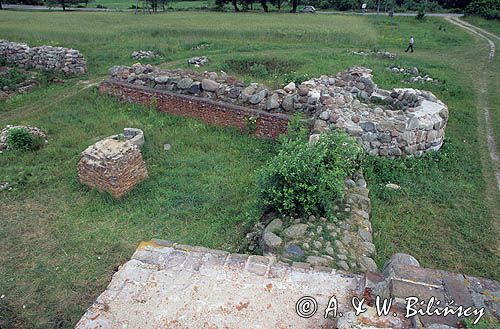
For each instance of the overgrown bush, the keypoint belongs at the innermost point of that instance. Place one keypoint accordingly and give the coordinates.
(324, 4)
(305, 178)
(420, 13)
(489, 9)
(20, 139)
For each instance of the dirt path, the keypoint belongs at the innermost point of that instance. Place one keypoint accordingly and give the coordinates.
(492, 190)
(483, 100)
(43, 104)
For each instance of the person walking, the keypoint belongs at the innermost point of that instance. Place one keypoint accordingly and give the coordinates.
(410, 46)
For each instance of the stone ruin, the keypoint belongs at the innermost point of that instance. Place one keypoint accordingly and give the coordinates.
(114, 164)
(48, 58)
(379, 53)
(397, 122)
(344, 244)
(413, 75)
(34, 131)
(198, 61)
(142, 54)
(29, 81)
(171, 285)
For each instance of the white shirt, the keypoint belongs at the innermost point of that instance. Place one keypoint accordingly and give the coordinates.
(411, 41)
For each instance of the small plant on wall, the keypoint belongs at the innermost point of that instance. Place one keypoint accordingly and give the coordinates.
(251, 124)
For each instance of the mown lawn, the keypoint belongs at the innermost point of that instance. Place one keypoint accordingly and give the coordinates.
(60, 242)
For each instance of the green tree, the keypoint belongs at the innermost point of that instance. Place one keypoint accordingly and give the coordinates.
(489, 9)
(65, 3)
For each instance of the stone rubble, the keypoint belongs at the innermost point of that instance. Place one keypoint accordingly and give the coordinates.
(34, 131)
(4, 186)
(413, 72)
(381, 54)
(141, 54)
(344, 244)
(198, 61)
(22, 87)
(48, 58)
(114, 164)
(397, 122)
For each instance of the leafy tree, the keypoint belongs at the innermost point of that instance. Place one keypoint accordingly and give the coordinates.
(220, 4)
(65, 3)
(277, 3)
(245, 4)
(489, 9)
(263, 3)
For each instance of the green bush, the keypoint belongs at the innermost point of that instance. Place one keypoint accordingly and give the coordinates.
(489, 9)
(324, 4)
(421, 13)
(306, 178)
(20, 139)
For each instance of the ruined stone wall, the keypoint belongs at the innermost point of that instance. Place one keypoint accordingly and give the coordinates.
(269, 125)
(390, 123)
(413, 131)
(56, 59)
(345, 245)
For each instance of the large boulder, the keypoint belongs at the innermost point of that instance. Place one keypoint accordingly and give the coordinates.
(209, 85)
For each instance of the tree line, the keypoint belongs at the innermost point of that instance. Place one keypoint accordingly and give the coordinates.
(487, 8)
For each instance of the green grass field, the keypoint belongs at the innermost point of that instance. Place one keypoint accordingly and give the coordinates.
(61, 242)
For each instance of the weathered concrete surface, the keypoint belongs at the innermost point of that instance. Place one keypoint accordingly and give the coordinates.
(167, 285)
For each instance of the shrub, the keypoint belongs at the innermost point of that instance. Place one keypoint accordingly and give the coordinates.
(324, 4)
(421, 13)
(489, 9)
(20, 139)
(306, 178)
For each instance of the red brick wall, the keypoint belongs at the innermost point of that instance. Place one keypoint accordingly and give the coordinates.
(269, 125)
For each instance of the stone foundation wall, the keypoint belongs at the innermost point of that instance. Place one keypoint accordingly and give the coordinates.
(410, 132)
(398, 122)
(57, 59)
(344, 243)
(269, 125)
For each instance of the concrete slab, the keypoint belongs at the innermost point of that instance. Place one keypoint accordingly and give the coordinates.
(166, 285)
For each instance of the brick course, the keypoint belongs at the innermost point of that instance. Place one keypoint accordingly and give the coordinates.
(268, 125)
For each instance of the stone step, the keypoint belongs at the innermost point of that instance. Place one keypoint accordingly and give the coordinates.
(178, 286)
(170, 285)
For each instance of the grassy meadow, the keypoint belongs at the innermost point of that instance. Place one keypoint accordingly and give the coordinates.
(61, 242)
